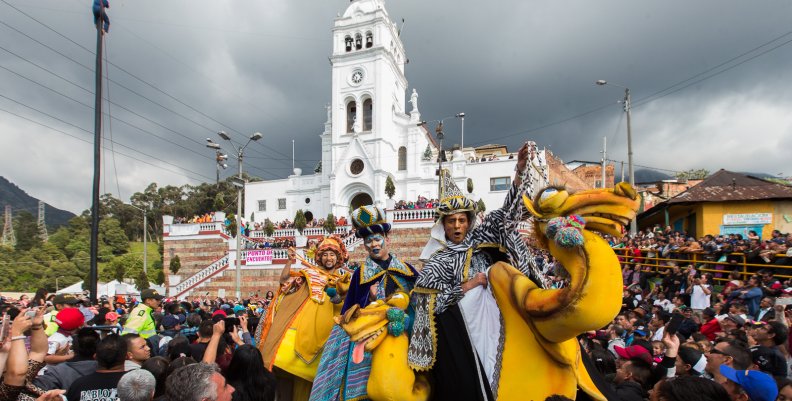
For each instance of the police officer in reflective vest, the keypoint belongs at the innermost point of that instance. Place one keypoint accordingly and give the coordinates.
(140, 320)
(61, 301)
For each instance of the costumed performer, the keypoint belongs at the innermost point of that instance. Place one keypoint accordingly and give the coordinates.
(299, 320)
(457, 333)
(345, 366)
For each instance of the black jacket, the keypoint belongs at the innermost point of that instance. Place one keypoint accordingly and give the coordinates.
(629, 391)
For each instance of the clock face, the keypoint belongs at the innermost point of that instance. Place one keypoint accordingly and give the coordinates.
(357, 77)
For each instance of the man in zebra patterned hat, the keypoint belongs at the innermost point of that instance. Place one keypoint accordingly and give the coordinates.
(456, 314)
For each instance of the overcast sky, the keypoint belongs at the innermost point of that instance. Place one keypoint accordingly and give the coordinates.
(711, 83)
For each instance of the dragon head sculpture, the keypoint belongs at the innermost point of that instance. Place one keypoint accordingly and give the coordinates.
(368, 327)
(567, 224)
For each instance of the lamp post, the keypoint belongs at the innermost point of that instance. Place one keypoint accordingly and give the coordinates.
(220, 157)
(145, 242)
(631, 172)
(462, 117)
(440, 153)
(57, 287)
(240, 151)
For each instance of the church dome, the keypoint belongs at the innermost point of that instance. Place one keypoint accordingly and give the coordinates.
(359, 7)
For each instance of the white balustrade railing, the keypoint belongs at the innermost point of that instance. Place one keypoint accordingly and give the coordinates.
(291, 232)
(285, 232)
(411, 214)
(197, 278)
(351, 242)
(177, 230)
(214, 226)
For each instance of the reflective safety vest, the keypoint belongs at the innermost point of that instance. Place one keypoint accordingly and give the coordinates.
(52, 325)
(140, 322)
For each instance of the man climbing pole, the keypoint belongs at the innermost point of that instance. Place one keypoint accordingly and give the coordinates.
(100, 14)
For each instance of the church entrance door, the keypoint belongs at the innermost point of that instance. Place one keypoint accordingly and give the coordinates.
(361, 199)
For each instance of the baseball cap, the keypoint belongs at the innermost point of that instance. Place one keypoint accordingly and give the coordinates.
(694, 358)
(758, 385)
(239, 308)
(150, 294)
(68, 299)
(170, 321)
(768, 360)
(220, 312)
(111, 316)
(633, 351)
(641, 331)
(69, 319)
(736, 319)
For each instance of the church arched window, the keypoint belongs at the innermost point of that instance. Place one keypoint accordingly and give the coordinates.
(348, 43)
(358, 42)
(369, 40)
(402, 158)
(351, 112)
(368, 108)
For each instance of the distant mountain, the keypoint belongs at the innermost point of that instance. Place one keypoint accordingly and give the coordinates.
(644, 175)
(10, 194)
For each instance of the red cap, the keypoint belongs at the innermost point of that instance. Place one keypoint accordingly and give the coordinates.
(219, 312)
(70, 319)
(633, 351)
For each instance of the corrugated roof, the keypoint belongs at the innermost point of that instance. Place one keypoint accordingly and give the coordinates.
(730, 186)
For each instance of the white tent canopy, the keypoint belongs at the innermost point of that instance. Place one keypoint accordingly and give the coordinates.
(110, 289)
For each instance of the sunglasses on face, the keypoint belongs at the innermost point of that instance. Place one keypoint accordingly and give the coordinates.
(717, 351)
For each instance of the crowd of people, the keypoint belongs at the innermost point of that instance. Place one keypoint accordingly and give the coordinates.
(421, 203)
(204, 218)
(148, 350)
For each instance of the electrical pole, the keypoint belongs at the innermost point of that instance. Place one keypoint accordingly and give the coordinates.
(604, 160)
(627, 108)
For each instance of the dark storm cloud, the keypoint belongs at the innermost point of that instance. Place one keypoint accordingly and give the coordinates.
(518, 69)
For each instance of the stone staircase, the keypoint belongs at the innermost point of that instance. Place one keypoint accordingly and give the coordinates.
(406, 243)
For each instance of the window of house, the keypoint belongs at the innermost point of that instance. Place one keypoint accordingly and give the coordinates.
(281, 203)
(262, 206)
(500, 183)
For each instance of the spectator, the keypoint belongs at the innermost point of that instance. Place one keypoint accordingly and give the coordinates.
(59, 343)
(158, 367)
(102, 384)
(766, 312)
(731, 353)
(687, 388)
(250, 379)
(750, 385)
(62, 375)
(198, 382)
(138, 351)
(710, 326)
(690, 362)
(631, 377)
(204, 335)
(137, 385)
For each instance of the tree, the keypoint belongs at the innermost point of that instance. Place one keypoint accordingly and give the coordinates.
(269, 227)
(470, 185)
(427, 155)
(330, 224)
(692, 174)
(299, 221)
(26, 231)
(481, 206)
(390, 189)
(160, 278)
(142, 281)
(111, 234)
(174, 265)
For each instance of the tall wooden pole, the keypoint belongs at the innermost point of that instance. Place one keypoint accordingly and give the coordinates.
(94, 272)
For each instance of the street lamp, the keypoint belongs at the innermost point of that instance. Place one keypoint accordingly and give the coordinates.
(240, 151)
(462, 117)
(440, 153)
(57, 287)
(145, 242)
(627, 108)
(220, 157)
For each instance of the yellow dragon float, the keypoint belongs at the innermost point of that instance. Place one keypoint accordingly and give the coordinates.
(541, 325)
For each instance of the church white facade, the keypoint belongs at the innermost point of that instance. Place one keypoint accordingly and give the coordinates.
(370, 134)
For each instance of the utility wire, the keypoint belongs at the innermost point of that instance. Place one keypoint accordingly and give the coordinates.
(135, 77)
(89, 132)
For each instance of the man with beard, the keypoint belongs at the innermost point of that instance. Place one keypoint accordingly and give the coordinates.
(299, 321)
(457, 333)
(345, 367)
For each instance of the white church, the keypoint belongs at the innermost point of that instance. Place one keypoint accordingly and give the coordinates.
(373, 132)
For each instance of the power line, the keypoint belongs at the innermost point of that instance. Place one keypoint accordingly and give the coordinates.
(88, 141)
(135, 77)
